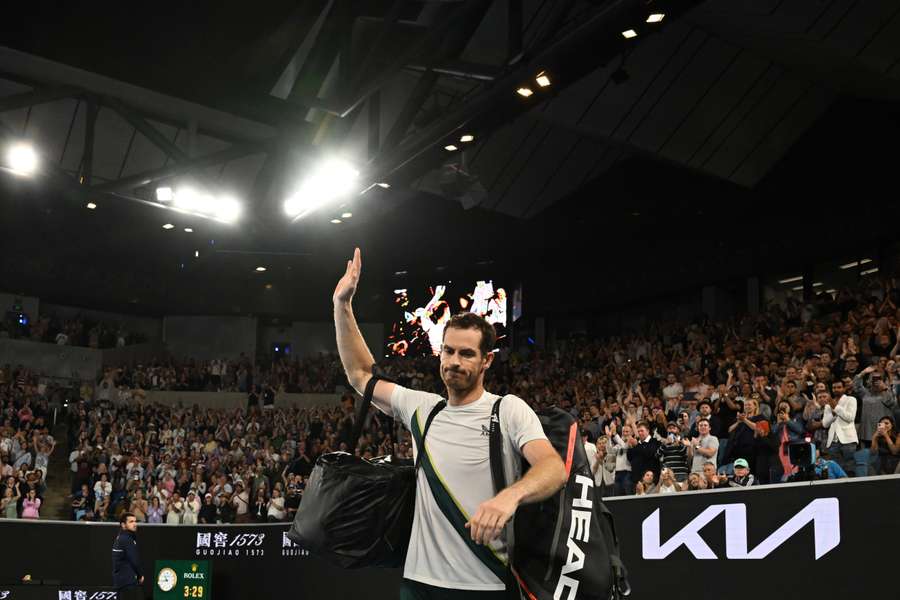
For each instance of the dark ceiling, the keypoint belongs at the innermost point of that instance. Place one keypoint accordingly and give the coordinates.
(737, 138)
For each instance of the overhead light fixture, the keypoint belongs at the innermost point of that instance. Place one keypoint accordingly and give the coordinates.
(260, 269)
(188, 230)
(336, 221)
(869, 271)
(196, 254)
(831, 291)
(22, 158)
(656, 18)
(798, 288)
(863, 261)
(629, 33)
(818, 284)
(542, 79)
(791, 279)
(346, 215)
(850, 265)
(227, 209)
(467, 138)
(383, 185)
(91, 205)
(524, 92)
(332, 179)
(168, 226)
(450, 148)
(164, 194)
(268, 286)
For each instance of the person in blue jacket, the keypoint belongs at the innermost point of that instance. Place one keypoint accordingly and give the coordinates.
(125, 558)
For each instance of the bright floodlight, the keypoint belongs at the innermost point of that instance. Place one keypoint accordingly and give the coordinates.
(450, 148)
(164, 194)
(168, 226)
(335, 221)
(260, 269)
(186, 198)
(188, 230)
(91, 205)
(524, 92)
(383, 185)
(346, 215)
(630, 33)
(334, 178)
(227, 209)
(22, 158)
(655, 18)
(542, 79)
(467, 138)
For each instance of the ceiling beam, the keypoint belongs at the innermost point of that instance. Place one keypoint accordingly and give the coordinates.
(37, 96)
(216, 158)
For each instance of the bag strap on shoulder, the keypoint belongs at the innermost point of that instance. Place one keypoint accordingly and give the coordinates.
(498, 475)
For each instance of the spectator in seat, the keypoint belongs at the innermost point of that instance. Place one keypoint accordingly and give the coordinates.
(191, 509)
(875, 400)
(742, 476)
(839, 418)
(275, 509)
(667, 482)
(643, 451)
(31, 506)
(647, 484)
(207, 512)
(9, 504)
(885, 447)
(156, 513)
(704, 447)
(673, 453)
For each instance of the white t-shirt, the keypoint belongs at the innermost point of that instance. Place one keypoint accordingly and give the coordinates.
(458, 445)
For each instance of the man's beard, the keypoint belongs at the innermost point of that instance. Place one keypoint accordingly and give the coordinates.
(458, 382)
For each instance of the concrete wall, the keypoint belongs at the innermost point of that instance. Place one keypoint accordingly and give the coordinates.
(30, 304)
(52, 360)
(229, 400)
(308, 339)
(138, 354)
(206, 338)
(150, 327)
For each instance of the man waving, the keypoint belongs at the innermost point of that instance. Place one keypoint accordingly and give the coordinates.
(458, 544)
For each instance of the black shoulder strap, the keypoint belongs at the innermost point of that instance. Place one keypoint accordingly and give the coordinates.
(498, 476)
(363, 411)
(434, 411)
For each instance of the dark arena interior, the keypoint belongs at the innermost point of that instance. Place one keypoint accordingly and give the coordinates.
(679, 219)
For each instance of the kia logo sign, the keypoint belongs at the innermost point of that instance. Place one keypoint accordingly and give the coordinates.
(823, 513)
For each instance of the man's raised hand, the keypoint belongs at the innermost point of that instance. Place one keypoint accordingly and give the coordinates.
(346, 287)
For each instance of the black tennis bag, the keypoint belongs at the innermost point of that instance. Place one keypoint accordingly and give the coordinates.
(564, 548)
(355, 512)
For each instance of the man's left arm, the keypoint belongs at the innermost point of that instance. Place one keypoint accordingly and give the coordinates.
(546, 475)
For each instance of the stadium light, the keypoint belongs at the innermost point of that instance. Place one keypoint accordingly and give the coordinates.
(346, 215)
(333, 179)
(336, 221)
(168, 226)
(524, 91)
(656, 18)
(91, 206)
(260, 269)
(188, 230)
(22, 158)
(467, 138)
(450, 148)
(542, 79)
(164, 194)
(629, 33)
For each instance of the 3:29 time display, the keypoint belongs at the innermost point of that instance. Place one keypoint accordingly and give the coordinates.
(193, 591)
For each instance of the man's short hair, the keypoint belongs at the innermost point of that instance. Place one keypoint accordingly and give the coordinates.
(469, 320)
(644, 424)
(124, 518)
(703, 420)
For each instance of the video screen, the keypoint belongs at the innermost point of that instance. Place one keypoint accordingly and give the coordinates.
(422, 314)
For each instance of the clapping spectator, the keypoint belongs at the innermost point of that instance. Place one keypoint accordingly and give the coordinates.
(885, 446)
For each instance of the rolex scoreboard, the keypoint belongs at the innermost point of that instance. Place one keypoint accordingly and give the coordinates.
(182, 580)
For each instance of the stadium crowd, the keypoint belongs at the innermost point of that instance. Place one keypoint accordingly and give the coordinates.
(678, 407)
(25, 442)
